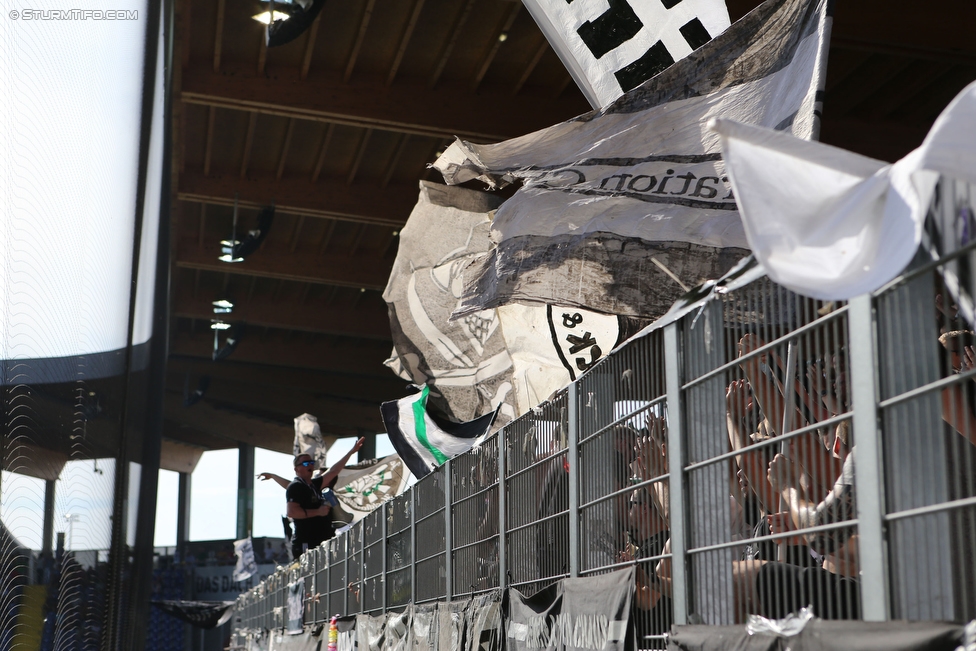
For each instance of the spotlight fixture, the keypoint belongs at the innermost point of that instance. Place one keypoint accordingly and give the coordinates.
(235, 250)
(223, 306)
(265, 17)
(301, 14)
(230, 344)
(216, 324)
(228, 248)
(256, 235)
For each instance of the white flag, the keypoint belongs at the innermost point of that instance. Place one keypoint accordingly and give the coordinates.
(832, 224)
(610, 50)
(623, 208)
(246, 566)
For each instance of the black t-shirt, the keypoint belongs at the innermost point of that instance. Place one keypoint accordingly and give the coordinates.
(310, 531)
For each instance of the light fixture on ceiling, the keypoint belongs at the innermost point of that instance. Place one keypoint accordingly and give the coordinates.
(230, 344)
(301, 14)
(217, 324)
(223, 306)
(265, 17)
(228, 248)
(235, 250)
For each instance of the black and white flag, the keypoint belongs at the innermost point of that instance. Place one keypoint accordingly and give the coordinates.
(425, 441)
(623, 208)
(610, 50)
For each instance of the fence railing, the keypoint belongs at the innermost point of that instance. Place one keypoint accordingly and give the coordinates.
(760, 452)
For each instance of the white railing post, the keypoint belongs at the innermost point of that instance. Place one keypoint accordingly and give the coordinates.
(867, 459)
(572, 458)
(672, 379)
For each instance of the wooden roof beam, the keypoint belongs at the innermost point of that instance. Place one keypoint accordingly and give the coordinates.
(360, 152)
(530, 67)
(397, 154)
(497, 38)
(252, 122)
(329, 198)
(358, 387)
(368, 322)
(362, 360)
(284, 148)
(208, 147)
(404, 41)
(444, 112)
(273, 404)
(219, 36)
(226, 424)
(313, 32)
(360, 37)
(342, 271)
(453, 35)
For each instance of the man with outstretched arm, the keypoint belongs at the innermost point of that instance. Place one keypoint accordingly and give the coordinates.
(311, 513)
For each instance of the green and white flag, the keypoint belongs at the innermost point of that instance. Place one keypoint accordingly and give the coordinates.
(425, 441)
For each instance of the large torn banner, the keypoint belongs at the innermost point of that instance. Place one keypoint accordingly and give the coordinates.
(364, 486)
(534, 349)
(464, 362)
(830, 223)
(610, 50)
(552, 346)
(624, 207)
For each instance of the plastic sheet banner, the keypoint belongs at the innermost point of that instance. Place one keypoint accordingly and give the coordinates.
(622, 209)
(589, 613)
(820, 635)
(302, 642)
(609, 51)
(295, 608)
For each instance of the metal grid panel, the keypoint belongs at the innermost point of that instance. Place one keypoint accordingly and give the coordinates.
(764, 380)
(474, 514)
(537, 496)
(354, 568)
(430, 536)
(925, 325)
(399, 550)
(369, 597)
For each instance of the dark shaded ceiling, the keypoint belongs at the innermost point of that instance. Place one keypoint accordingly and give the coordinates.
(337, 128)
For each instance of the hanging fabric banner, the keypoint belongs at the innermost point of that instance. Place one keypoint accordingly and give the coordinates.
(295, 608)
(623, 209)
(586, 613)
(609, 51)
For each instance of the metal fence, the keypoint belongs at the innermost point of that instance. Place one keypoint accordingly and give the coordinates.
(717, 453)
